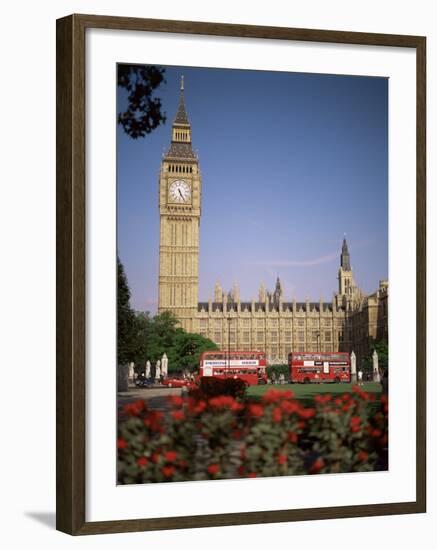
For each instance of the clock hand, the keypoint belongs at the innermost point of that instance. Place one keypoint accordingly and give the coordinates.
(182, 197)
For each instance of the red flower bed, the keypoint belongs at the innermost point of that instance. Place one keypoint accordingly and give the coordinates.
(223, 437)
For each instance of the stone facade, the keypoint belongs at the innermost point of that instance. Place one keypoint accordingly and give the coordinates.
(350, 321)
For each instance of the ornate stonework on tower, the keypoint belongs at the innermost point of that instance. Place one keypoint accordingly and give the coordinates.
(180, 193)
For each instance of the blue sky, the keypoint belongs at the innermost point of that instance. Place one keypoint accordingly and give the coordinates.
(290, 162)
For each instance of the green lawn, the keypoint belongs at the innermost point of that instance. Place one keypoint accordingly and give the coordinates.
(308, 391)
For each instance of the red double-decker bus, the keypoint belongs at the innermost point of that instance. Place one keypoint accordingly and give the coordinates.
(249, 366)
(310, 367)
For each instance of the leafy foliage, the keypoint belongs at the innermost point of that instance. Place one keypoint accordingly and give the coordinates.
(381, 348)
(222, 437)
(277, 370)
(143, 113)
(125, 319)
(186, 350)
(160, 334)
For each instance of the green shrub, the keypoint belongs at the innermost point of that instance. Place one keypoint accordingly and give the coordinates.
(221, 437)
(213, 387)
(277, 370)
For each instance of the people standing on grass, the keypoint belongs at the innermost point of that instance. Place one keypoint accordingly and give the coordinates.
(360, 377)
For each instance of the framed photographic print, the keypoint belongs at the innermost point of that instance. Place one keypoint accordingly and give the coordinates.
(240, 274)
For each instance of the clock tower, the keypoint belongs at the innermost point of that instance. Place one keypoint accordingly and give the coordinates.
(180, 191)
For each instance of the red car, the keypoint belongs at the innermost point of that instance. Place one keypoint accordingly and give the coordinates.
(178, 383)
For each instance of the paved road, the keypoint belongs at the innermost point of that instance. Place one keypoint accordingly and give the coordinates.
(156, 398)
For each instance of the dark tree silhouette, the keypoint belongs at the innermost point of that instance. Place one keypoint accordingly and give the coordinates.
(143, 113)
(125, 318)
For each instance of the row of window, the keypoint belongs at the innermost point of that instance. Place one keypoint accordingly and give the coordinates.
(261, 323)
(274, 335)
(280, 353)
(180, 168)
(185, 136)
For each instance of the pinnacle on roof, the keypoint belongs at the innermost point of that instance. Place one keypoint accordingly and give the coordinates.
(181, 114)
(344, 247)
(345, 257)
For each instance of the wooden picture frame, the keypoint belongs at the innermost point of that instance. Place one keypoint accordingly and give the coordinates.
(71, 248)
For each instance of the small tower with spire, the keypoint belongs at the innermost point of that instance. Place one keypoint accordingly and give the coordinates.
(345, 261)
(277, 294)
(235, 292)
(349, 294)
(262, 293)
(218, 293)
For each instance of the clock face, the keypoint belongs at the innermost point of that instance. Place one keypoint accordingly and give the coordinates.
(180, 191)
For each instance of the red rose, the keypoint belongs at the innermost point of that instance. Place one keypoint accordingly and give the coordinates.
(306, 413)
(121, 443)
(363, 456)
(271, 396)
(289, 407)
(153, 421)
(200, 407)
(316, 466)
(256, 410)
(226, 402)
(142, 461)
(135, 408)
(176, 400)
(213, 469)
(321, 399)
(170, 456)
(282, 459)
(292, 437)
(376, 433)
(277, 415)
(178, 415)
(168, 471)
(355, 424)
(252, 474)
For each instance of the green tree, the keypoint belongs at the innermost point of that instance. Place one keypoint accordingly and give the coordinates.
(163, 330)
(278, 370)
(381, 348)
(125, 319)
(186, 350)
(143, 112)
(142, 330)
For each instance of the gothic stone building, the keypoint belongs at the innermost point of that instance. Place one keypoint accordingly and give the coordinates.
(351, 321)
